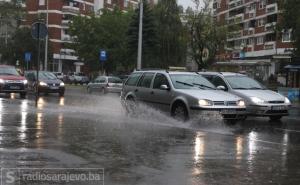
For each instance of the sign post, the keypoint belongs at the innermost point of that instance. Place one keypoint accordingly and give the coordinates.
(38, 31)
(27, 59)
(102, 58)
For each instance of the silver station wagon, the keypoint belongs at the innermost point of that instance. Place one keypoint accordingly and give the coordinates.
(259, 100)
(181, 94)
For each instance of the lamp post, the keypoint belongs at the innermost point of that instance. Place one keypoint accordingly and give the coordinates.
(139, 58)
(46, 39)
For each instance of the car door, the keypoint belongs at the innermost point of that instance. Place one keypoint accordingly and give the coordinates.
(143, 91)
(161, 97)
(93, 85)
(100, 83)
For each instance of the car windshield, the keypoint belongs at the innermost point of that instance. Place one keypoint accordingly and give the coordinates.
(243, 82)
(9, 71)
(189, 81)
(46, 76)
(114, 80)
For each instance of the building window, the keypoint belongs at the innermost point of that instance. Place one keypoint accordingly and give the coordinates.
(108, 1)
(42, 2)
(262, 4)
(125, 3)
(260, 40)
(260, 22)
(286, 36)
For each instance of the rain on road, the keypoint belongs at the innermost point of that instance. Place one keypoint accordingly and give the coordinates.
(93, 131)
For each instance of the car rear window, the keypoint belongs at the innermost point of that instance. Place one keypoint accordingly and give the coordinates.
(114, 80)
(133, 79)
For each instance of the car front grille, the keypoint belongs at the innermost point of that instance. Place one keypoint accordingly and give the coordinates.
(225, 103)
(276, 102)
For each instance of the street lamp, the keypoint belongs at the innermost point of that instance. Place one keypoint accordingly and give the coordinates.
(46, 39)
(139, 58)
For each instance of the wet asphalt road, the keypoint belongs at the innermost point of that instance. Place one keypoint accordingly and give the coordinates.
(92, 131)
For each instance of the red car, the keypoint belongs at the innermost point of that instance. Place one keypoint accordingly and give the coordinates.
(11, 81)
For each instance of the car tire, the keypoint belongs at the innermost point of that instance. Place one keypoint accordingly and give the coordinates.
(275, 118)
(61, 94)
(180, 112)
(89, 90)
(103, 91)
(23, 95)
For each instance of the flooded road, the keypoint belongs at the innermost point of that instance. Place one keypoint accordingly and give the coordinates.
(91, 131)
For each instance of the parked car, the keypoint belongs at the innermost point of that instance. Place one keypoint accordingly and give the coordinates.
(182, 94)
(105, 84)
(48, 82)
(77, 78)
(259, 100)
(59, 75)
(11, 81)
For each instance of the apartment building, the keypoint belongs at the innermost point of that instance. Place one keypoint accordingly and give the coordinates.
(60, 13)
(253, 44)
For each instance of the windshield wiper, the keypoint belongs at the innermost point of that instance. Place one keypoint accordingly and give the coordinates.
(254, 88)
(201, 85)
(6, 74)
(184, 83)
(242, 88)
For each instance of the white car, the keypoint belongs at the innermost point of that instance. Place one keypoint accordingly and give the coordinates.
(259, 100)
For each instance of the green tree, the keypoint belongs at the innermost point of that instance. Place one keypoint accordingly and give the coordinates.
(206, 37)
(150, 42)
(291, 20)
(108, 32)
(11, 14)
(171, 34)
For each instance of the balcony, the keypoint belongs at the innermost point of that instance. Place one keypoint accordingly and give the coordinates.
(270, 45)
(66, 22)
(67, 38)
(71, 9)
(272, 8)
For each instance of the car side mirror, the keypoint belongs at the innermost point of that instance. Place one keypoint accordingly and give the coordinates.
(164, 87)
(221, 87)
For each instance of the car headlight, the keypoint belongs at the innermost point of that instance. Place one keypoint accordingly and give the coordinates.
(25, 82)
(43, 84)
(241, 103)
(257, 100)
(287, 101)
(62, 84)
(2, 81)
(205, 103)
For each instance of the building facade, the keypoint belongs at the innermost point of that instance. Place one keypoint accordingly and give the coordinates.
(253, 43)
(60, 13)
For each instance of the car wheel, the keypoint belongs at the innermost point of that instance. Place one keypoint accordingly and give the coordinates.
(23, 95)
(275, 118)
(61, 94)
(180, 112)
(89, 90)
(103, 91)
(130, 105)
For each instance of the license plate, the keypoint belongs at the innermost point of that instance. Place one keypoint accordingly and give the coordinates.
(54, 88)
(278, 108)
(15, 87)
(228, 111)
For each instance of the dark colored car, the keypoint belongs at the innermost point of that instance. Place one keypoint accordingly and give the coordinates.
(48, 82)
(11, 81)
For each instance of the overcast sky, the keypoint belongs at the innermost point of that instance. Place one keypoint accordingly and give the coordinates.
(186, 3)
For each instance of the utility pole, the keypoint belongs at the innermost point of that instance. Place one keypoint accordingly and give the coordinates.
(46, 39)
(140, 44)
